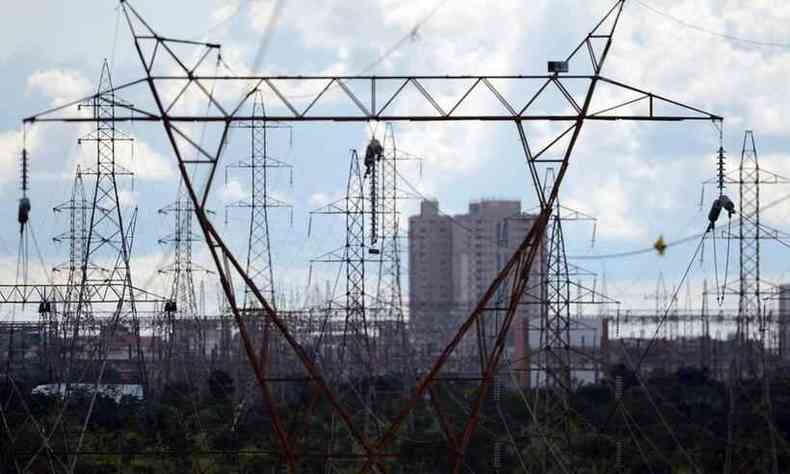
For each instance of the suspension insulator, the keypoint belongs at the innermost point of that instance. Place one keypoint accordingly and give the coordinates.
(24, 212)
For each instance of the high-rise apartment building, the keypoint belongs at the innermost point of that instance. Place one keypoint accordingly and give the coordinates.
(452, 262)
(784, 321)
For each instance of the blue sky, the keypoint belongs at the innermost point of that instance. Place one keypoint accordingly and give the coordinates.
(640, 179)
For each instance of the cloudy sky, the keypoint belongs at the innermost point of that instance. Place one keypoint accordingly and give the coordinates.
(640, 180)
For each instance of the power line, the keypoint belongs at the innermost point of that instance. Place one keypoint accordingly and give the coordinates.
(268, 34)
(222, 22)
(719, 34)
(412, 35)
(651, 249)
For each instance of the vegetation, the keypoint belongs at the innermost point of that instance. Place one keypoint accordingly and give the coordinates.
(674, 423)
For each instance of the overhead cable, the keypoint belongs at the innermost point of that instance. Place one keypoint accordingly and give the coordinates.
(651, 249)
(686, 24)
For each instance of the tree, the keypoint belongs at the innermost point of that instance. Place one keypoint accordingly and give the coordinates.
(220, 385)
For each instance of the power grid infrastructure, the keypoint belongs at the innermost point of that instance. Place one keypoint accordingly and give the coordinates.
(335, 360)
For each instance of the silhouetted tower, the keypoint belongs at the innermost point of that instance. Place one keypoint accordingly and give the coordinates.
(355, 329)
(752, 325)
(76, 236)
(706, 359)
(107, 233)
(749, 311)
(182, 325)
(259, 253)
(750, 298)
(558, 358)
(78, 209)
(556, 316)
(555, 343)
(555, 329)
(354, 348)
(393, 337)
(182, 295)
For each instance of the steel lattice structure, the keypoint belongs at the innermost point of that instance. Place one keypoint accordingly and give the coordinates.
(389, 291)
(383, 103)
(182, 326)
(749, 233)
(752, 323)
(106, 253)
(355, 353)
(182, 269)
(555, 359)
(751, 296)
(77, 207)
(259, 253)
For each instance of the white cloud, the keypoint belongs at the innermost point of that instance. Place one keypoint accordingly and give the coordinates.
(610, 203)
(127, 198)
(60, 85)
(225, 10)
(10, 152)
(147, 163)
(233, 191)
(138, 157)
(319, 199)
(621, 173)
(733, 78)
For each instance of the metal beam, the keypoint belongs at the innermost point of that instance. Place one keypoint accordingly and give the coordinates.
(59, 294)
(466, 107)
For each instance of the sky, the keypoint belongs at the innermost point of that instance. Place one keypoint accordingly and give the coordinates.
(640, 180)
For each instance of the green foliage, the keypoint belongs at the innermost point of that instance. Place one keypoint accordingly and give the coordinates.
(220, 385)
(213, 429)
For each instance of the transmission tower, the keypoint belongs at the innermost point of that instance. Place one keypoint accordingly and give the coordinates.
(352, 341)
(183, 328)
(749, 233)
(354, 344)
(578, 103)
(107, 236)
(182, 296)
(258, 265)
(663, 301)
(77, 208)
(558, 356)
(259, 252)
(748, 359)
(394, 344)
(752, 328)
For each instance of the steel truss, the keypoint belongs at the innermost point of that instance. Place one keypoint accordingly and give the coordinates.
(394, 349)
(556, 357)
(752, 323)
(261, 161)
(63, 294)
(382, 103)
(751, 298)
(355, 354)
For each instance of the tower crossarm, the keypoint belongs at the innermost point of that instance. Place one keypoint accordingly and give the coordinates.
(112, 294)
(389, 94)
